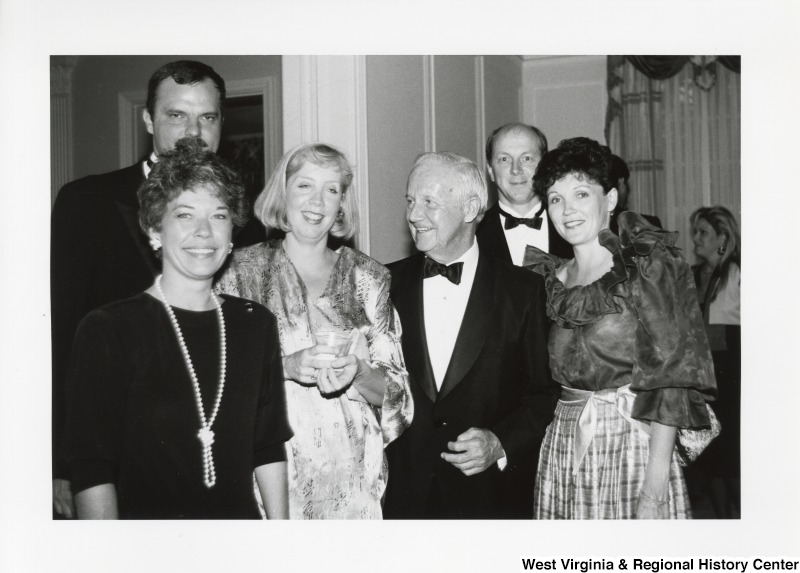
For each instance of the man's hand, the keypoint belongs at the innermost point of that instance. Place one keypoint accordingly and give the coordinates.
(478, 449)
(62, 498)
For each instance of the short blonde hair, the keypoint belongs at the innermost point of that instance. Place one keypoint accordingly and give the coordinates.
(270, 206)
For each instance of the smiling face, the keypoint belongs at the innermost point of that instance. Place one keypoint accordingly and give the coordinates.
(313, 199)
(441, 223)
(706, 241)
(183, 110)
(195, 235)
(514, 159)
(579, 209)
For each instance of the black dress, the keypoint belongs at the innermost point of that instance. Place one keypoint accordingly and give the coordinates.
(722, 457)
(132, 418)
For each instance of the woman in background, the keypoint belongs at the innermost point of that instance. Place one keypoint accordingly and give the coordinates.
(627, 345)
(717, 248)
(176, 394)
(343, 412)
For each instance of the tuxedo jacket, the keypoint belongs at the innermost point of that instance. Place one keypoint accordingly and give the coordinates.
(497, 379)
(492, 239)
(98, 254)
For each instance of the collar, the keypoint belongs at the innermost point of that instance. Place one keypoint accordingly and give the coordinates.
(512, 211)
(470, 260)
(146, 165)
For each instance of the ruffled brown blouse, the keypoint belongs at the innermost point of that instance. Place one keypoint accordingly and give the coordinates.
(639, 324)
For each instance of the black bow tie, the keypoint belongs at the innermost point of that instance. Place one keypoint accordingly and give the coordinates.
(534, 223)
(450, 272)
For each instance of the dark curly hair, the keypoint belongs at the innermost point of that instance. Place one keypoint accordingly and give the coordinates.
(189, 166)
(579, 156)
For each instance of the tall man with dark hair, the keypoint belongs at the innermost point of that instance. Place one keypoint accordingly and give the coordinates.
(519, 218)
(475, 345)
(98, 253)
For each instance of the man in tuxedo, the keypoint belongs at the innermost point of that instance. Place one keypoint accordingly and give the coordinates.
(98, 252)
(475, 345)
(519, 218)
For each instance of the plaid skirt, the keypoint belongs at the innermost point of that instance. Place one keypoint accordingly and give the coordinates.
(610, 476)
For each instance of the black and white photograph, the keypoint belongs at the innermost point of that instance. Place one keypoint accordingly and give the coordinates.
(293, 299)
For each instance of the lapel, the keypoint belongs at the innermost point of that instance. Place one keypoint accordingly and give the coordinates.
(494, 235)
(408, 296)
(127, 203)
(474, 326)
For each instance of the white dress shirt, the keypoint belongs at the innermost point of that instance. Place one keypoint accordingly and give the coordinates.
(444, 306)
(521, 236)
(726, 308)
(146, 167)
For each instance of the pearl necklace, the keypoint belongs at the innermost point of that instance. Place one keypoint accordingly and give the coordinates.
(206, 435)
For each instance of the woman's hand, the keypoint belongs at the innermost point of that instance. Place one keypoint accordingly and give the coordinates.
(304, 365)
(370, 383)
(62, 498)
(337, 375)
(652, 508)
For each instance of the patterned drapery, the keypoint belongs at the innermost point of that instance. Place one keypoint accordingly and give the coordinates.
(676, 122)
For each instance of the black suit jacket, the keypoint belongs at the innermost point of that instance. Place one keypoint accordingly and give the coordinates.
(98, 254)
(491, 238)
(498, 379)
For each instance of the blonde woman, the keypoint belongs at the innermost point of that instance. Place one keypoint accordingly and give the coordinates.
(343, 412)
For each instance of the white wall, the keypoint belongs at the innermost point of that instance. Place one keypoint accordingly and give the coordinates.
(565, 96)
(428, 103)
(396, 131)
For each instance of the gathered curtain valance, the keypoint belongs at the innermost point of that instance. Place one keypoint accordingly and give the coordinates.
(663, 67)
(675, 120)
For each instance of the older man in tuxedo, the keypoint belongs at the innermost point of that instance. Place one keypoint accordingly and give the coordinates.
(519, 218)
(475, 344)
(98, 252)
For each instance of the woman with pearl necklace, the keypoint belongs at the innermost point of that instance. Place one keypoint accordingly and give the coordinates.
(176, 394)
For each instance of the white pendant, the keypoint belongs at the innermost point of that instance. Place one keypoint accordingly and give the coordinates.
(206, 436)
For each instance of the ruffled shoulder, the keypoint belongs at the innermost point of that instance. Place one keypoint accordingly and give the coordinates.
(541, 263)
(638, 237)
(671, 353)
(583, 304)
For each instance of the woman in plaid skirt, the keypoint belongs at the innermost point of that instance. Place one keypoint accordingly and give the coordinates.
(627, 345)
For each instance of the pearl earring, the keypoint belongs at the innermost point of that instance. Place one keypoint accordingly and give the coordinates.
(155, 243)
(721, 250)
(230, 248)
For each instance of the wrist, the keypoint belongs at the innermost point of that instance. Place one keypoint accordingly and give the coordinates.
(363, 368)
(286, 367)
(499, 452)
